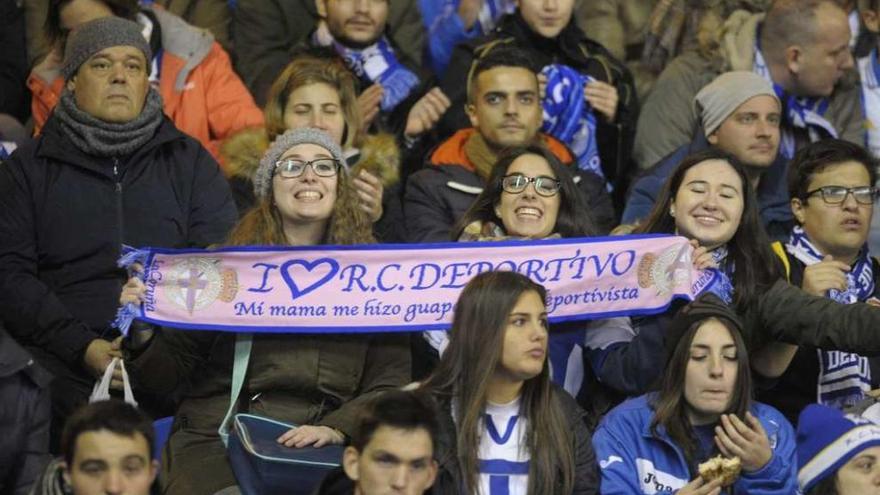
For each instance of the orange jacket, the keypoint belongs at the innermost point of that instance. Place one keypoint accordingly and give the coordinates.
(202, 95)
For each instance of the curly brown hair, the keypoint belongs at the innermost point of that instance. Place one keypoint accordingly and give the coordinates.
(348, 224)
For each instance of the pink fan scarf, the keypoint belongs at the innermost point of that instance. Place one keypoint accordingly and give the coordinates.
(406, 287)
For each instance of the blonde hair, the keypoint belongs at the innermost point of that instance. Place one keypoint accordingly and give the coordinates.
(309, 69)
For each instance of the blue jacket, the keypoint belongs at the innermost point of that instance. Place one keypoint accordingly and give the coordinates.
(772, 191)
(634, 461)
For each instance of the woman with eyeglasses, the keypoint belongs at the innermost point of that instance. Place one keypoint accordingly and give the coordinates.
(709, 200)
(317, 90)
(305, 197)
(531, 195)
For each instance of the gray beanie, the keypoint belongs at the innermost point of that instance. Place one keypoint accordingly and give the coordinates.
(291, 138)
(721, 97)
(94, 36)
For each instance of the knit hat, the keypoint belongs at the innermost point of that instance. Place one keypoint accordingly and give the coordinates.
(706, 305)
(94, 36)
(291, 138)
(827, 439)
(721, 97)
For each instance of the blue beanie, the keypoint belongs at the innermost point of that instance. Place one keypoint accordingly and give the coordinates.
(827, 439)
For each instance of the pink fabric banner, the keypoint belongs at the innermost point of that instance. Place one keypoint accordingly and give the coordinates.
(406, 287)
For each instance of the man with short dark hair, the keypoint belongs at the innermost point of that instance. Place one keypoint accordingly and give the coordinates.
(831, 184)
(392, 449)
(396, 94)
(106, 448)
(801, 47)
(588, 102)
(504, 109)
(110, 169)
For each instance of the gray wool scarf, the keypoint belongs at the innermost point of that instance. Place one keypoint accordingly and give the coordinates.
(99, 138)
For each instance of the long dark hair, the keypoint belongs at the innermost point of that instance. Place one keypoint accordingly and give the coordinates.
(756, 267)
(474, 353)
(670, 407)
(573, 219)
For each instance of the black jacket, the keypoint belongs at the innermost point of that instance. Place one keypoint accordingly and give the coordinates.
(571, 47)
(437, 196)
(586, 474)
(797, 387)
(64, 216)
(24, 418)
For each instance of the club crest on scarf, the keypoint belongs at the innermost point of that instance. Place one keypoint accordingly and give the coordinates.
(569, 118)
(197, 282)
(843, 377)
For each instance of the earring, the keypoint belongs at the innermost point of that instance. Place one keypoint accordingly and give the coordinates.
(672, 211)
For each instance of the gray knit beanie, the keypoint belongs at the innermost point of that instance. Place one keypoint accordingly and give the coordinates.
(721, 97)
(291, 138)
(94, 36)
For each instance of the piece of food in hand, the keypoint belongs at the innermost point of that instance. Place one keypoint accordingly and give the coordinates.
(720, 467)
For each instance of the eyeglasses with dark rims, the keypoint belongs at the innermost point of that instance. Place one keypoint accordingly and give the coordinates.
(290, 168)
(544, 186)
(835, 195)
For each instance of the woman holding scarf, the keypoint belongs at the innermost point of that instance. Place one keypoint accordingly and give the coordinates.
(531, 195)
(709, 200)
(304, 198)
(504, 427)
(317, 90)
(654, 443)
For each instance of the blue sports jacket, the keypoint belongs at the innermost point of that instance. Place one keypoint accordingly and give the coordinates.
(633, 461)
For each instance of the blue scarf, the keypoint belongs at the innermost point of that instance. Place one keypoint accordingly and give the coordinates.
(798, 112)
(490, 12)
(375, 63)
(843, 377)
(722, 284)
(569, 118)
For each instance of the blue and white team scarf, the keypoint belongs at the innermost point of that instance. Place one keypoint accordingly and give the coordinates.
(722, 285)
(490, 12)
(802, 113)
(375, 63)
(569, 118)
(843, 377)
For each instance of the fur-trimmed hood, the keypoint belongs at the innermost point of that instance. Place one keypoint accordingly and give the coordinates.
(730, 42)
(378, 154)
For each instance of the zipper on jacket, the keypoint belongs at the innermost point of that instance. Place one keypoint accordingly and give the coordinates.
(118, 193)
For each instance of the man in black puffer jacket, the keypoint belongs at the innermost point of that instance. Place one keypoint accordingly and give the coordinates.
(108, 170)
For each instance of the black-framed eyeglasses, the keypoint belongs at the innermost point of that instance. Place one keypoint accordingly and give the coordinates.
(544, 186)
(835, 195)
(289, 168)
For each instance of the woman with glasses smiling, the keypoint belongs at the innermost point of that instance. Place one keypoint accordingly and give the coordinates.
(531, 195)
(305, 197)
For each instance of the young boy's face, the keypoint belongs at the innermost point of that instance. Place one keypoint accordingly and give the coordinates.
(394, 461)
(108, 463)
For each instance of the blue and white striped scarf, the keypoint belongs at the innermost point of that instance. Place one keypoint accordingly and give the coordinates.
(376, 63)
(490, 12)
(843, 377)
(800, 112)
(569, 118)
